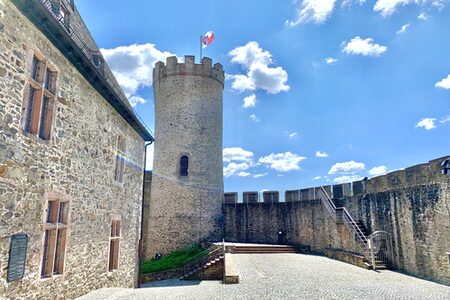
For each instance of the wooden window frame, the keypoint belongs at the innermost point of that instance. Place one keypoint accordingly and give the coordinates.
(115, 235)
(119, 165)
(55, 236)
(38, 115)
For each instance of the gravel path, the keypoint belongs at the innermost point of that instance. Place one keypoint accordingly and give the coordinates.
(289, 276)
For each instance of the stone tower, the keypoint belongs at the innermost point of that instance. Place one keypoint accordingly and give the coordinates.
(187, 186)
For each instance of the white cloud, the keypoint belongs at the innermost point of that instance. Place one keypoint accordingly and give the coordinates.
(260, 175)
(388, 7)
(135, 100)
(427, 123)
(365, 47)
(347, 167)
(331, 60)
(243, 174)
(254, 118)
(439, 4)
(423, 17)
(236, 154)
(235, 169)
(317, 11)
(321, 154)
(380, 170)
(239, 160)
(347, 178)
(348, 3)
(444, 83)
(403, 29)
(260, 75)
(445, 119)
(282, 162)
(250, 101)
(250, 54)
(317, 177)
(240, 82)
(133, 66)
(293, 135)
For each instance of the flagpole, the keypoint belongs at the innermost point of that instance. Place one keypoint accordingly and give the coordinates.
(201, 48)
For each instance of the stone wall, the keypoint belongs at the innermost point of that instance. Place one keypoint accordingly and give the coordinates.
(188, 122)
(303, 223)
(146, 209)
(412, 205)
(77, 163)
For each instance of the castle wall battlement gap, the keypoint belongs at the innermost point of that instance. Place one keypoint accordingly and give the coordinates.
(173, 68)
(433, 172)
(411, 205)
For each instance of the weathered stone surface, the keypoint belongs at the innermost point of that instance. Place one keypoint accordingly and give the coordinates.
(2, 72)
(188, 111)
(414, 211)
(31, 169)
(290, 277)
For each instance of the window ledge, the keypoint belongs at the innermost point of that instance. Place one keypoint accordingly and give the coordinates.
(111, 273)
(51, 278)
(118, 183)
(36, 138)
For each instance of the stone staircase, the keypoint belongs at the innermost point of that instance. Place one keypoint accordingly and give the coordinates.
(198, 265)
(255, 248)
(201, 268)
(374, 259)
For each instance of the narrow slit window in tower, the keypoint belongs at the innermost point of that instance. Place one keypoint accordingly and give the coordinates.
(184, 165)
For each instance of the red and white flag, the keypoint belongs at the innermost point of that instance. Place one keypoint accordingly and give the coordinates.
(207, 39)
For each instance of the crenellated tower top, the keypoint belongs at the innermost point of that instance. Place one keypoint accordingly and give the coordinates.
(189, 67)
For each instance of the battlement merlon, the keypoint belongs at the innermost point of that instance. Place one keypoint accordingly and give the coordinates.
(189, 67)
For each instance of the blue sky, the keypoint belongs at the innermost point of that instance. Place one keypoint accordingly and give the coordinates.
(334, 90)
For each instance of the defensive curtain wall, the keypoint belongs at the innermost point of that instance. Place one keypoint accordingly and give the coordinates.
(412, 205)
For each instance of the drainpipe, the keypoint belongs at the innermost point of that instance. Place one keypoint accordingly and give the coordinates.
(142, 214)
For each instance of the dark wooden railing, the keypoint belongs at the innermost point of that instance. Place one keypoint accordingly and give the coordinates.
(93, 55)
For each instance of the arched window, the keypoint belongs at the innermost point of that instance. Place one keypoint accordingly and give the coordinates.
(446, 167)
(184, 165)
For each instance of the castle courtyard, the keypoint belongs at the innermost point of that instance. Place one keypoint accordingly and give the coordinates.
(142, 159)
(289, 276)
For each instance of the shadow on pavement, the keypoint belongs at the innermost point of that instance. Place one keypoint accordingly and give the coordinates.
(171, 283)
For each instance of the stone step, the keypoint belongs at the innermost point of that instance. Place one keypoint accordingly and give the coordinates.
(266, 249)
(382, 267)
(205, 266)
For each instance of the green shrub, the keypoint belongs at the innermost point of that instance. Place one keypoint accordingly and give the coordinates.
(173, 260)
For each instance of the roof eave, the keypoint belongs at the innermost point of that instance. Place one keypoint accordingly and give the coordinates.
(42, 19)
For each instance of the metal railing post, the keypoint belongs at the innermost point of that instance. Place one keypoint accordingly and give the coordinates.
(372, 253)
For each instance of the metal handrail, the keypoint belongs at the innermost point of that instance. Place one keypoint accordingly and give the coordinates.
(329, 204)
(354, 226)
(349, 222)
(94, 56)
(194, 263)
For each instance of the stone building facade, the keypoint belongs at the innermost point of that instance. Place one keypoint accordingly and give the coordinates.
(412, 205)
(71, 158)
(187, 180)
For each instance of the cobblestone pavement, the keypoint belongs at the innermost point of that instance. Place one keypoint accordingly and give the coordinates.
(290, 276)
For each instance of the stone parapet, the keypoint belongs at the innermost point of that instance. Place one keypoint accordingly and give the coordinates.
(173, 68)
(250, 197)
(271, 196)
(230, 198)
